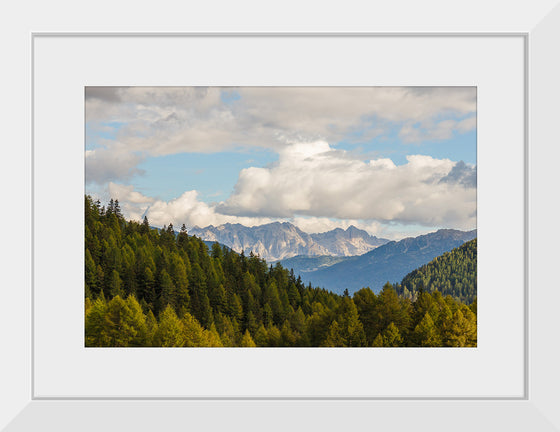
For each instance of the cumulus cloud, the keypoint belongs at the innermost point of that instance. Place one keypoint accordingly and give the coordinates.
(189, 210)
(312, 179)
(106, 94)
(319, 189)
(167, 120)
(312, 185)
(104, 165)
(186, 209)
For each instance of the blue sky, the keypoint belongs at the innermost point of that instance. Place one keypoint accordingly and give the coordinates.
(254, 155)
(212, 175)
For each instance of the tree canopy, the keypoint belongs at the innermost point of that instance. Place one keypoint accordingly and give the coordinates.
(157, 287)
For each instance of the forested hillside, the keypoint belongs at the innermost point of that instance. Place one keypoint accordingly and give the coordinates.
(149, 287)
(389, 262)
(453, 273)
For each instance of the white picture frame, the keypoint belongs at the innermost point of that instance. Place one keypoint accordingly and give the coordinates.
(536, 410)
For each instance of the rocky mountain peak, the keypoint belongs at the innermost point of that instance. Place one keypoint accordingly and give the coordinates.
(281, 240)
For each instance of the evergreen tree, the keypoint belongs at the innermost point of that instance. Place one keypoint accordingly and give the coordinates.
(170, 332)
(167, 291)
(122, 326)
(287, 336)
(95, 326)
(91, 274)
(228, 334)
(334, 336)
(178, 274)
(366, 303)
(391, 336)
(460, 330)
(350, 327)
(151, 328)
(378, 342)
(213, 337)
(261, 336)
(193, 332)
(218, 297)
(426, 334)
(247, 340)
(274, 336)
(136, 321)
(454, 273)
(145, 226)
(115, 285)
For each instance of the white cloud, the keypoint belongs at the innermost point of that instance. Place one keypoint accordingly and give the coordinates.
(313, 180)
(186, 209)
(189, 210)
(103, 165)
(319, 189)
(435, 130)
(168, 120)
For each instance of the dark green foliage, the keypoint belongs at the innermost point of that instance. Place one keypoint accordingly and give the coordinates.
(149, 287)
(453, 273)
(389, 262)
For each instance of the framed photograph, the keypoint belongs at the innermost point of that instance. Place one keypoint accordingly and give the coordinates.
(297, 256)
(87, 89)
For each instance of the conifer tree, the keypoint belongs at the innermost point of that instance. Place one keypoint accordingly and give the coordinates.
(215, 298)
(426, 334)
(268, 316)
(213, 337)
(178, 274)
(390, 308)
(247, 340)
(227, 330)
(90, 274)
(87, 306)
(115, 285)
(334, 336)
(460, 330)
(147, 287)
(218, 298)
(145, 226)
(96, 328)
(261, 336)
(136, 321)
(378, 342)
(350, 327)
(121, 327)
(170, 332)
(366, 304)
(287, 336)
(151, 328)
(193, 332)
(274, 336)
(298, 321)
(391, 336)
(167, 291)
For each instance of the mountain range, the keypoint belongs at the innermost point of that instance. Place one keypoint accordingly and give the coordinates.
(281, 240)
(387, 263)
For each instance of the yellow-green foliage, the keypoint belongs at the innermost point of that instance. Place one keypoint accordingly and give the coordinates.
(149, 287)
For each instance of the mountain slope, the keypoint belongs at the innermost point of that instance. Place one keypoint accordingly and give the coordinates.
(453, 273)
(276, 241)
(302, 264)
(389, 262)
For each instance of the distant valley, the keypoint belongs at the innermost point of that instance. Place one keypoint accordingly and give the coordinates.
(389, 262)
(336, 259)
